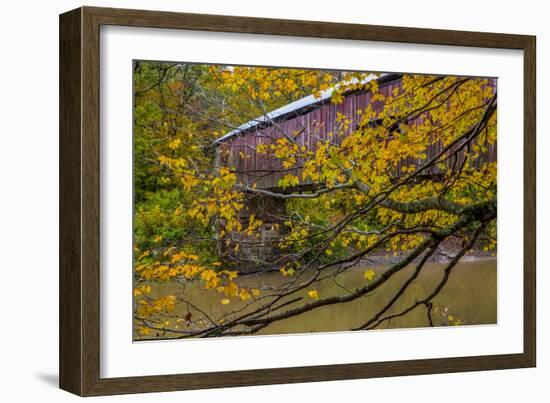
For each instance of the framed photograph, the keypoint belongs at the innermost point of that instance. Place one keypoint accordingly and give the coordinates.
(249, 201)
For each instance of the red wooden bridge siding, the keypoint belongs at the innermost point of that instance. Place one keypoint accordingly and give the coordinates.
(314, 124)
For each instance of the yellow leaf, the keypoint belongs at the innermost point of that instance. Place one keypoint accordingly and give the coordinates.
(144, 254)
(225, 301)
(369, 274)
(313, 294)
(143, 331)
(174, 144)
(144, 289)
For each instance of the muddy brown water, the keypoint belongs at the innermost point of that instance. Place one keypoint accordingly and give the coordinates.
(469, 298)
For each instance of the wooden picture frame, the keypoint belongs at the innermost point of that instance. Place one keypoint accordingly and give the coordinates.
(79, 201)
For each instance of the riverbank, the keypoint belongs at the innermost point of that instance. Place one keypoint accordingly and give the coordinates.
(444, 253)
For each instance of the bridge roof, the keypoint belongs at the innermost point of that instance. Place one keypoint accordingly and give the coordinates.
(290, 110)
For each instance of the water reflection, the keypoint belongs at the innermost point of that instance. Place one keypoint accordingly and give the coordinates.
(469, 298)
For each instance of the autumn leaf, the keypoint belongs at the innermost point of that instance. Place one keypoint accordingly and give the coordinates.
(313, 294)
(369, 274)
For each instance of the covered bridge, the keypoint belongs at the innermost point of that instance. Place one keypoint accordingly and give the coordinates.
(307, 121)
